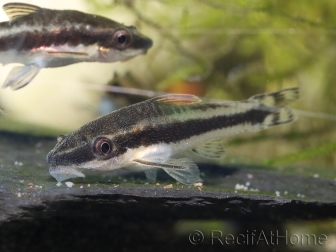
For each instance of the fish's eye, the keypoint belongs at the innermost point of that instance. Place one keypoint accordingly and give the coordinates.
(105, 148)
(121, 37)
(102, 147)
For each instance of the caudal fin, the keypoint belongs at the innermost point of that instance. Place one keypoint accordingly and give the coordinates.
(280, 98)
(276, 106)
(279, 115)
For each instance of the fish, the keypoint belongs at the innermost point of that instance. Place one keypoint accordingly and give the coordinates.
(44, 38)
(150, 135)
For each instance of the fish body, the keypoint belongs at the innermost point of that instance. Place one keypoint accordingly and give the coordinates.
(42, 38)
(149, 135)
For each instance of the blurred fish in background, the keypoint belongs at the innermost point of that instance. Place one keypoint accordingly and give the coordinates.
(41, 38)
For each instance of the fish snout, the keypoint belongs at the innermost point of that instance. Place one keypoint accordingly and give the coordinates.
(143, 43)
(149, 44)
(51, 160)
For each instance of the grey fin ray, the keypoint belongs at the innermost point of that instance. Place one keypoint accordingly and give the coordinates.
(189, 175)
(212, 149)
(183, 170)
(151, 174)
(159, 163)
(20, 76)
(17, 10)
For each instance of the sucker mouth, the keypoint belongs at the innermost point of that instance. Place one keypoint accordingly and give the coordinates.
(64, 173)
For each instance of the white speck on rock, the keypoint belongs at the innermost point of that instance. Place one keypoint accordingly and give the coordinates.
(69, 184)
(59, 184)
(316, 175)
(239, 187)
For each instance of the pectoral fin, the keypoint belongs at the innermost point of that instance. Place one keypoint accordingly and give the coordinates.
(20, 76)
(212, 149)
(79, 55)
(151, 174)
(183, 170)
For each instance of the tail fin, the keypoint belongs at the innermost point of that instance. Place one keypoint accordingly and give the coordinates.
(277, 105)
(279, 115)
(280, 98)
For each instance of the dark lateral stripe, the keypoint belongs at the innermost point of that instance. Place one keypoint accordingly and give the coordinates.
(75, 157)
(29, 40)
(177, 131)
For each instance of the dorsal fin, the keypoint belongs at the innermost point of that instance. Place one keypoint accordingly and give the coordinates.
(177, 99)
(17, 10)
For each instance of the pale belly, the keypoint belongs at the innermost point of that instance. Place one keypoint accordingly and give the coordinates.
(40, 58)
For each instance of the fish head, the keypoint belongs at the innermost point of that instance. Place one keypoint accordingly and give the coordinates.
(123, 44)
(84, 148)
